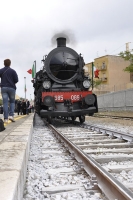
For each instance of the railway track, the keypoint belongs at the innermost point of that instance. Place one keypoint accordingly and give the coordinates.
(82, 162)
(113, 117)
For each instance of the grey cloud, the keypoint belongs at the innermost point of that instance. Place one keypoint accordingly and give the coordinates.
(91, 26)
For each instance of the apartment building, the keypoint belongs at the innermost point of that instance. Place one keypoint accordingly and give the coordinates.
(111, 72)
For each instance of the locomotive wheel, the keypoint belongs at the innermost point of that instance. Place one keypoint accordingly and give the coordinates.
(73, 118)
(82, 119)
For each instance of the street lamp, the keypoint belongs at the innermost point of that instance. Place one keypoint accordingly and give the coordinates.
(25, 87)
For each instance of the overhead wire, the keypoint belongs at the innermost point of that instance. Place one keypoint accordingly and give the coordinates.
(116, 49)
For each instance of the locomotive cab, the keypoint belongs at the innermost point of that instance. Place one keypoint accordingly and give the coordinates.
(61, 88)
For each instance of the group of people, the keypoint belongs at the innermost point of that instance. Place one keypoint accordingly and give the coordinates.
(9, 78)
(24, 107)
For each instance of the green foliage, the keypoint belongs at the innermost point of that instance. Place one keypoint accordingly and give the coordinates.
(129, 68)
(127, 56)
(96, 83)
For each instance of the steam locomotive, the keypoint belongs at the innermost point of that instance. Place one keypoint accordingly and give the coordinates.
(61, 89)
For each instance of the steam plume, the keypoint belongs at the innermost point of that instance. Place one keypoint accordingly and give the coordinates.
(70, 37)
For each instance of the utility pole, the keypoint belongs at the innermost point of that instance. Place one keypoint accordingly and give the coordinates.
(25, 87)
(92, 73)
(127, 46)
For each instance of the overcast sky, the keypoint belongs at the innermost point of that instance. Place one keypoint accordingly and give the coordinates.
(95, 28)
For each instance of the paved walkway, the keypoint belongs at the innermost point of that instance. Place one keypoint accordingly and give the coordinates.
(14, 151)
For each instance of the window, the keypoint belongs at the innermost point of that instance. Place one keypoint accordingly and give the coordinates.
(103, 65)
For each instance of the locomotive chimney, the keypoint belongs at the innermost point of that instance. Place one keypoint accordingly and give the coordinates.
(61, 42)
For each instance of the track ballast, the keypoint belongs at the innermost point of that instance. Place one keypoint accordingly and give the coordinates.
(105, 151)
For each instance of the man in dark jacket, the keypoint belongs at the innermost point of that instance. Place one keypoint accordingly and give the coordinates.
(19, 107)
(27, 106)
(24, 107)
(9, 78)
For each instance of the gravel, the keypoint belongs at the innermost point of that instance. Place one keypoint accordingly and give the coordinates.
(44, 173)
(126, 126)
(39, 174)
(121, 125)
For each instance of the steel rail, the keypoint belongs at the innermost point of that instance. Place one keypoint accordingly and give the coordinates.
(113, 116)
(111, 187)
(112, 133)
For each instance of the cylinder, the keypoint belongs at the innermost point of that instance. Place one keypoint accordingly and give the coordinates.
(61, 42)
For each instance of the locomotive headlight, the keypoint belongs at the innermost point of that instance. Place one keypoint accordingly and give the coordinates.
(86, 83)
(46, 84)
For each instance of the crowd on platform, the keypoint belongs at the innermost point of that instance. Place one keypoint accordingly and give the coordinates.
(21, 107)
(24, 108)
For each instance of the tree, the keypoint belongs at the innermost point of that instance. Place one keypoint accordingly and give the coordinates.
(96, 83)
(127, 56)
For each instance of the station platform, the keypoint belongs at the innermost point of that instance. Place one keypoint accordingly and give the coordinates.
(14, 152)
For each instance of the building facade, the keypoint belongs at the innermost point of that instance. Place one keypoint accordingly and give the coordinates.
(111, 73)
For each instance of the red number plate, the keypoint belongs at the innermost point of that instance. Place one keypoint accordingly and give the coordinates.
(61, 96)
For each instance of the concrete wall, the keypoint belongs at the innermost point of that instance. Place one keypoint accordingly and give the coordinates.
(121, 100)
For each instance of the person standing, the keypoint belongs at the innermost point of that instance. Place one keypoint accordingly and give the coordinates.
(21, 111)
(9, 78)
(27, 106)
(19, 107)
(24, 107)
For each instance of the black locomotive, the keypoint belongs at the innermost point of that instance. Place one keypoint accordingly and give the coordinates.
(61, 88)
